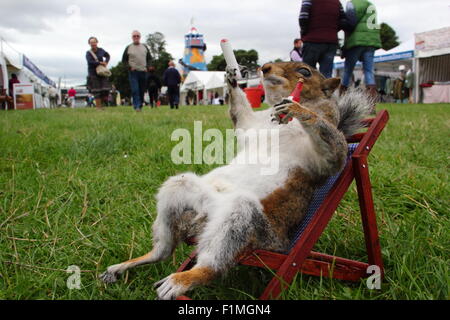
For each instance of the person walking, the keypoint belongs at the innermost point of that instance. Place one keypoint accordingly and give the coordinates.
(361, 43)
(113, 96)
(296, 53)
(90, 100)
(172, 80)
(71, 94)
(320, 21)
(154, 87)
(6, 102)
(137, 59)
(53, 96)
(12, 82)
(97, 84)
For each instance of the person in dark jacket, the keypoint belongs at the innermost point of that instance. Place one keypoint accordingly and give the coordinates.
(172, 80)
(154, 86)
(97, 85)
(320, 21)
(12, 81)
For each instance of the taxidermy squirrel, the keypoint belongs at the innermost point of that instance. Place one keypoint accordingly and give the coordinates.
(234, 208)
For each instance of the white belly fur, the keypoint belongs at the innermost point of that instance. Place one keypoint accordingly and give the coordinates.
(295, 151)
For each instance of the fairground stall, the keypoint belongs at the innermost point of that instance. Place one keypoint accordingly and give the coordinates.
(433, 66)
(23, 81)
(389, 66)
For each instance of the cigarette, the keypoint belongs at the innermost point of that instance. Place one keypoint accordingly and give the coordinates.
(229, 56)
(295, 95)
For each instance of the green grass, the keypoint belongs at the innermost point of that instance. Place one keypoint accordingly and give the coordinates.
(77, 187)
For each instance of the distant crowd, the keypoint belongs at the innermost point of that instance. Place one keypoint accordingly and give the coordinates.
(141, 74)
(321, 20)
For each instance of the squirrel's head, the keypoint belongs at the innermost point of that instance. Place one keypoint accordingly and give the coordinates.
(280, 79)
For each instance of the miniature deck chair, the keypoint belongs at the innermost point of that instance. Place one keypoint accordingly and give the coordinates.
(300, 258)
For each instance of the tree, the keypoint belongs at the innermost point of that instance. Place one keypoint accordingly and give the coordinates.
(157, 45)
(276, 60)
(389, 38)
(162, 63)
(119, 77)
(217, 63)
(245, 58)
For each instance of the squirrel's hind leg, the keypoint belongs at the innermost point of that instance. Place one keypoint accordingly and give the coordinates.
(238, 225)
(183, 202)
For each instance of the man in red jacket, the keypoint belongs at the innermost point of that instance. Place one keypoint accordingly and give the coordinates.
(72, 93)
(320, 21)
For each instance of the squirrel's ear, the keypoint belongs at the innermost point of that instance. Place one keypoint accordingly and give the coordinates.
(330, 85)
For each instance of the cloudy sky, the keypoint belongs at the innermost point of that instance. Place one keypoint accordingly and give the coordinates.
(53, 34)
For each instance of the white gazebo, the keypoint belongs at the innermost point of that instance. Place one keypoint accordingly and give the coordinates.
(203, 84)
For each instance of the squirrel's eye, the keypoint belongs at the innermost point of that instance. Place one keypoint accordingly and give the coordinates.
(304, 72)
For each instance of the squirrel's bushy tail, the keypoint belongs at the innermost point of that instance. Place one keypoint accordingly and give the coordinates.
(354, 106)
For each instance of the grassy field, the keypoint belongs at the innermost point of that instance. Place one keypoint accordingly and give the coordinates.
(77, 187)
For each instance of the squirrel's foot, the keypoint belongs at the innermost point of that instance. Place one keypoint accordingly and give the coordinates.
(169, 289)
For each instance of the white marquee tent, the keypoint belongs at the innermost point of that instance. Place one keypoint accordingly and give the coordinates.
(12, 61)
(206, 82)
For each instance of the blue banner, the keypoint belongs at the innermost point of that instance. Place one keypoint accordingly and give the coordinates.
(37, 72)
(384, 58)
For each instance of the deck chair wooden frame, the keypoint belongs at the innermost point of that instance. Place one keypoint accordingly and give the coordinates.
(301, 258)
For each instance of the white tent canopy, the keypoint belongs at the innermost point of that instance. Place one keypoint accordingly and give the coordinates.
(205, 84)
(200, 80)
(433, 43)
(13, 57)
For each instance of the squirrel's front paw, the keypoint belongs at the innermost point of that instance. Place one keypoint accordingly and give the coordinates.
(283, 111)
(231, 75)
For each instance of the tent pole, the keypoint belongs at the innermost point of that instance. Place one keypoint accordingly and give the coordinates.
(416, 70)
